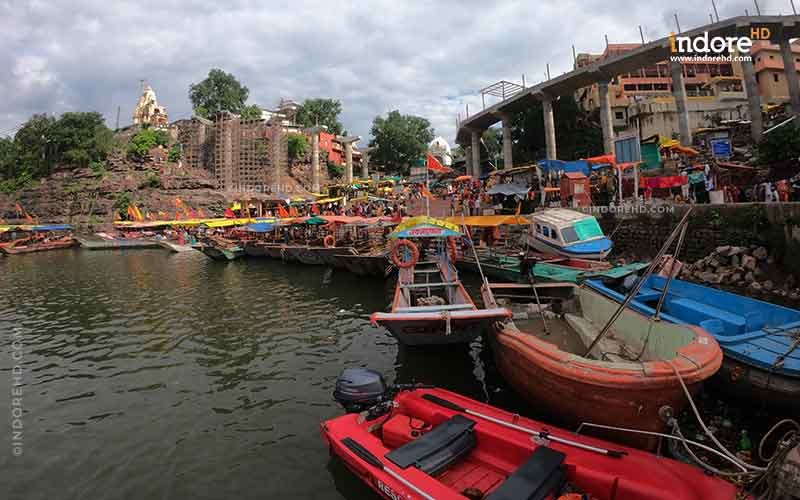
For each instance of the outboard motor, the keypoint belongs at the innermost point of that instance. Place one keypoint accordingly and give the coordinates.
(358, 389)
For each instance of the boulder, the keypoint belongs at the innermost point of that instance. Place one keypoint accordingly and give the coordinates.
(749, 262)
(756, 286)
(768, 285)
(723, 250)
(749, 277)
(735, 261)
(760, 253)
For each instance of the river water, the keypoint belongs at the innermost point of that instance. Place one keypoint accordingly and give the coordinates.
(154, 375)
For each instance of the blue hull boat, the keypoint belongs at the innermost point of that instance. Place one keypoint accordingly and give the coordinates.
(761, 341)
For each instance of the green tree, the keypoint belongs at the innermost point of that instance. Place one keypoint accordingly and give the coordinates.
(297, 145)
(578, 133)
(220, 91)
(400, 140)
(81, 138)
(493, 145)
(321, 112)
(8, 158)
(34, 149)
(780, 145)
(251, 112)
(145, 140)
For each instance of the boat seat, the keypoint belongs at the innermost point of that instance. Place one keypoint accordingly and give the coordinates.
(430, 285)
(695, 312)
(421, 271)
(434, 451)
(425, 309)
(646, 294)
(539, 477)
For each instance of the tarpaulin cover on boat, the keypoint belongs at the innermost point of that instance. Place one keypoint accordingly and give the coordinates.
(425, 227)
(664, 182)
(488, 220)
(509, 190)
(52, 227)
(261, 227)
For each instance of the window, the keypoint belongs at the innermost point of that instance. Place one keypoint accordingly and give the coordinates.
(776, 77)
(553, 233)
(539, 228)
(772, 57)
(619, 115)
(546, 231)
(570, 235)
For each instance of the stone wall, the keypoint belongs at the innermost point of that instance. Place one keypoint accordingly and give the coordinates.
(775, 226)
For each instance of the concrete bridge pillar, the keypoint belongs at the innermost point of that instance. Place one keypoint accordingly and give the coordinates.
(467, 160)
(475, 150)
(508, 160)
(753, 100)
(347, 143)
(791, 77)
(681, 106)
(549, 127)
(606, 118)
(314, 131)
(365, 164)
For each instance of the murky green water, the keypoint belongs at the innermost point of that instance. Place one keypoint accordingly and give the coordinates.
(156, 375)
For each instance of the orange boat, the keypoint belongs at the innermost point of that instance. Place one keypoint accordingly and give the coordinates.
(630, 378)
(39, 239)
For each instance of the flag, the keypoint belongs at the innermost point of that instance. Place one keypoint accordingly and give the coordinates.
(426, 193)
(229, 214)
(436, 166)
(282, 213)
(314, 209)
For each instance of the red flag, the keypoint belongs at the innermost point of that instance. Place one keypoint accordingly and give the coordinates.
(314, 209)
(436, 166)
(282, 213)
(229, 214)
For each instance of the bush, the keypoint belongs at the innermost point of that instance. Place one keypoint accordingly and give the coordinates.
(297, 145)
(153, 181)
(122, 201)
(144, 141)
(99, 168)
(22, 181)
(335, 171)
(175, 153)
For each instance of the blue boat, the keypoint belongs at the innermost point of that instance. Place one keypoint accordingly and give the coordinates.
(761, 341)
(568, 233)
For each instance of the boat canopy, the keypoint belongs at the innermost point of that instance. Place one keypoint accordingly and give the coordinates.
(509, 190)
(425, 227)
(37, 228)
(488, 220)
(260, 227)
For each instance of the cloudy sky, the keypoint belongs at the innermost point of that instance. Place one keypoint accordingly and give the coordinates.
(427, 58)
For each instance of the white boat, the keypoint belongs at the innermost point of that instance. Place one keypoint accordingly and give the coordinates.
(569, 233)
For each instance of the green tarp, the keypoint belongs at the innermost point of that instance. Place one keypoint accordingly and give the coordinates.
(588, 228)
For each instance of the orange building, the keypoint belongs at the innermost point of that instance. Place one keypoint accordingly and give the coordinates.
(769, 69)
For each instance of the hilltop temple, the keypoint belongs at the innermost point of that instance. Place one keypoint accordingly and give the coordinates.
(148, 112)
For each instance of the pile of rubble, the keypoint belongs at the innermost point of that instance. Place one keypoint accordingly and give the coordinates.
(747, 267)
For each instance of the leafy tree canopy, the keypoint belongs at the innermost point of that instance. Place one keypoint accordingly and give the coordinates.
(780, 145)
(321, 112)
(74, 139)
(297, 145)
(145, 140)
(220, 91)
(400, 140)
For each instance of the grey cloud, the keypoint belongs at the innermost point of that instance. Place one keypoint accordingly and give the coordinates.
(422, 57)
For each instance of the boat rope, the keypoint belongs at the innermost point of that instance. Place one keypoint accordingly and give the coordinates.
(703, 426)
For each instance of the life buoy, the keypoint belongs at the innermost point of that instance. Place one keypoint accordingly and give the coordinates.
(397, 250)
(451, 245)
(329, 241)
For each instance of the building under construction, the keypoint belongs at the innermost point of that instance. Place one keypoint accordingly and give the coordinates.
(243, 155)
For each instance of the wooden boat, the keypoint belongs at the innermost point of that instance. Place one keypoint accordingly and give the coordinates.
(330, 256)
(218, 248)
(429, 443)
(497, 267)
(174, 246)
(99, 243)
(627, 379)
(28, 245)
(418, 315)
(372, 264)
(552, 271)
(569, 233)
(761, 341)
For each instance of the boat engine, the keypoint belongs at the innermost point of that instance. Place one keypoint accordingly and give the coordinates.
(358, 389)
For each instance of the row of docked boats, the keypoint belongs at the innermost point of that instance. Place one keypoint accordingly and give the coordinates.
(620, 348)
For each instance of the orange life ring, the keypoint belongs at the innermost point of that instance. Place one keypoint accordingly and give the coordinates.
(329, 241)
(411, 248)
(451, 243)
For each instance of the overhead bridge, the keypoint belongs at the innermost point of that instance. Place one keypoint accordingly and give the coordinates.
(782, 29)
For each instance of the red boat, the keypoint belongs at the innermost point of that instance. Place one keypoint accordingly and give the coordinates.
(431, 443)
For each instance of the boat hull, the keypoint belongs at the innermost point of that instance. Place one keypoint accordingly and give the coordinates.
(565, 251)
(222, 254)
(432, 328)
(38, 247)
(124, 244)
(491, 271)
(365, 265)
(500, 451)
(175, 247)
